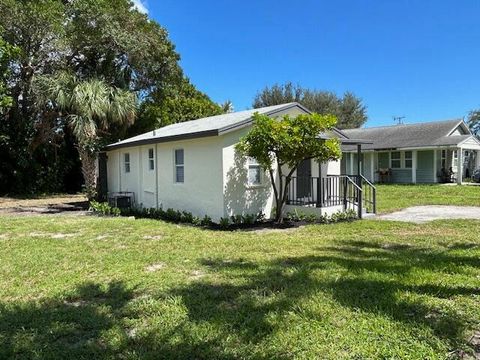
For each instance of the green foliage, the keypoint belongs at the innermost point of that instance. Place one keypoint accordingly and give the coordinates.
(224, 223)
(90, 107)
(206, 221)
(103, 208)
(339, 216)
(8, 53)
(349, 109)
(236, 219)
(473, 121)
(109, 50)
(173, 105)
(276, 143)
(353, 290)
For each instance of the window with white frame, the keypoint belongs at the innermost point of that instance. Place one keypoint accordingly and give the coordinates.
(395, 160)
(126, 162)
(151, 159)
(444, 159)
(179, 166)
(254, 172)
(408, 159)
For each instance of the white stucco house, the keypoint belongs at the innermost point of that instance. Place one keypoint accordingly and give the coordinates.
(193, 166)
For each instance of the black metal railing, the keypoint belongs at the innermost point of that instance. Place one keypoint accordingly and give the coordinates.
(315, 191)
(369, 193)
(333, 190)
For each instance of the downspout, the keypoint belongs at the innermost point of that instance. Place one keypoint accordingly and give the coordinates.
(156, 176)
(119, 171)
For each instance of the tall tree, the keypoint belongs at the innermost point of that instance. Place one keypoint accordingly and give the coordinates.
(172, 105)
(349, 109)
(280, 145)
(473, 121)
(8, 53)
(105, 40)
(90, 107)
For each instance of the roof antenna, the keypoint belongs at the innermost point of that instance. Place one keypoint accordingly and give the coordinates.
(398, 119)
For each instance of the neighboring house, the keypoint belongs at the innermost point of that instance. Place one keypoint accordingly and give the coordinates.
(193, 166)
(415, 153)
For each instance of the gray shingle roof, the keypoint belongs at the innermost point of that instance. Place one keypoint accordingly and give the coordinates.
(409, 135)
(212, 126)
(209, 126)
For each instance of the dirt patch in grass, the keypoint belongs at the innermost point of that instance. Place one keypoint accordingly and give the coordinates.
(153, 237)
(196, 274)
(52, 205)
(155, 267)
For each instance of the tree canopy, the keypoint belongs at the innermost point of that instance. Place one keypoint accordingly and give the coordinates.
(473, 121)
(104, 42)
(348, 109)
(280, 145)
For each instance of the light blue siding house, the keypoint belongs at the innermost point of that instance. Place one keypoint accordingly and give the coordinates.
(429, 152)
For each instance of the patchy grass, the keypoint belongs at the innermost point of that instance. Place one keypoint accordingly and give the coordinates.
(119, 288)
(395, 197)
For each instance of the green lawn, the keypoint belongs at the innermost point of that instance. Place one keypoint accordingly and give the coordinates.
(90, 287)
(396, 197)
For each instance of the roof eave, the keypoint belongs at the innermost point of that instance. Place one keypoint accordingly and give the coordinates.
(157, 140)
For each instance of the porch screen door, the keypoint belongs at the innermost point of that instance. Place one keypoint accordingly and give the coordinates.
(304, 184)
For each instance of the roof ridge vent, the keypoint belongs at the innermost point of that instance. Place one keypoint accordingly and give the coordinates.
(153, 132)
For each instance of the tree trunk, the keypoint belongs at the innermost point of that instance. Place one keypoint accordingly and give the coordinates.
(89, 166)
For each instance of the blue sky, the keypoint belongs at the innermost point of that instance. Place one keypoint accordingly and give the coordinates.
(418, 59)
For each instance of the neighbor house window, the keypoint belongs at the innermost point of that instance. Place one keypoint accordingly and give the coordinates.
(444, 159)
(395, 162)
(254, 172)
(126, 161)
(151, 159)
(408, 159)
(179, 166)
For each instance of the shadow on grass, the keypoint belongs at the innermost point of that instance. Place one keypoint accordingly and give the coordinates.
(245, 309)
(63, 329)
(279, 287)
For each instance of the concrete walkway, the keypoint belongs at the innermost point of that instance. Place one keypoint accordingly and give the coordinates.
(422, 214)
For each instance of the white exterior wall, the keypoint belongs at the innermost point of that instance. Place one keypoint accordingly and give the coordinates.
(215, 178)
(201, 193)
(238, 196)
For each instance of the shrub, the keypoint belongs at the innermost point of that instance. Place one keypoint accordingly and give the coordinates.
(237, 219)
(249, 219)
(206, 221)
(260, 217)
(186, 217)
(173, 215)
(103, 208)
(224, 222)
(347, 215)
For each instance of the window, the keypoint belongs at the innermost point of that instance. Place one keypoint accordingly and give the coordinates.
(408, 159)
(254, 172)
(395, 160)
(444, 159)
(179, 166)
(151, 159)
(126, 161)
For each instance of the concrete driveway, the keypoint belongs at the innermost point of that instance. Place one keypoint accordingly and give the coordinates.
(422, 214)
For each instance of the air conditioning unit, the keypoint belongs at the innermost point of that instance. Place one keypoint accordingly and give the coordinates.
(122, 199)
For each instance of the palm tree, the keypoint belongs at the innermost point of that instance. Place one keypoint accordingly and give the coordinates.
(90, 107)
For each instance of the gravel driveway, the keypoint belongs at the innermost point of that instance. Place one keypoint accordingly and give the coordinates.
(422, 214)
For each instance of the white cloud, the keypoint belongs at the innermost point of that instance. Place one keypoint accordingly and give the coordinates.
(141, 6)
